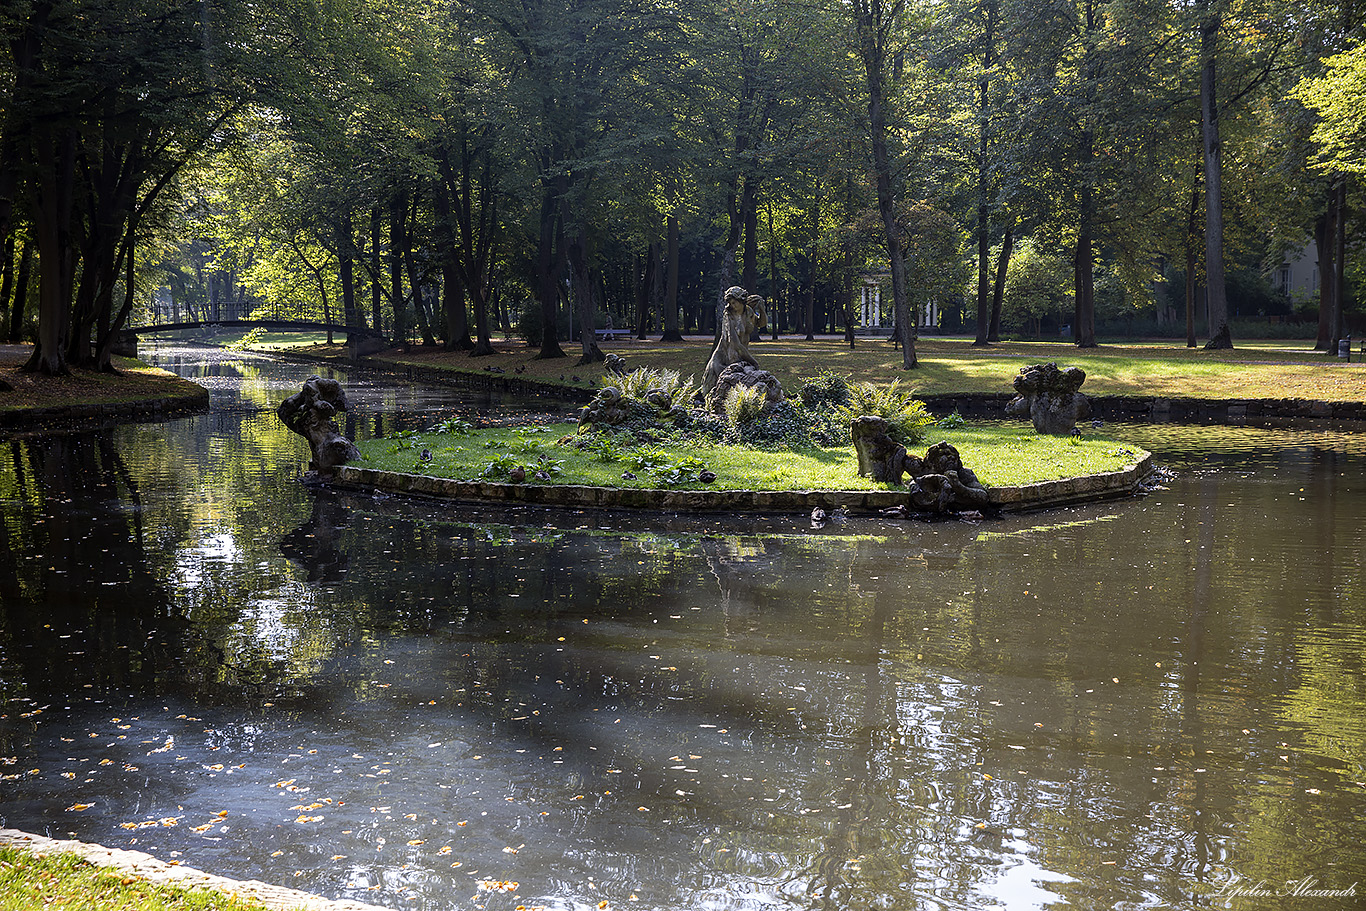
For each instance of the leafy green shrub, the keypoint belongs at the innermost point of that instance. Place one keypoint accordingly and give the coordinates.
(906, 415)
(828, 390)
(453, 426)
(785, 425)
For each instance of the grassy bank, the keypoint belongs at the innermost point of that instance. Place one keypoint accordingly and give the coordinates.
(1276, 369)
(28, 881)
(135, 383)
(1000, 455)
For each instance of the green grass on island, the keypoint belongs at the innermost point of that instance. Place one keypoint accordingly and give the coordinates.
(29, 881)
(1001, 455)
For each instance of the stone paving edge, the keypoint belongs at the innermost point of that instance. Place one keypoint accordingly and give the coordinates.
(154, 870)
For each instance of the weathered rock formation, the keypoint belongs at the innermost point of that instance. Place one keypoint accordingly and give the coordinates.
(939, 482)
(309, 413)
(1049, 397)
(608, 407)
(742, 375)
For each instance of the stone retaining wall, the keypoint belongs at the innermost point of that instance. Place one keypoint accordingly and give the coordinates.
(1031, 496)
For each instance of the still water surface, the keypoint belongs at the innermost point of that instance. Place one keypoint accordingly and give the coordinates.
(1151, 703)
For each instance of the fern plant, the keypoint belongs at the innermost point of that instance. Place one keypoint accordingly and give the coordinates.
(906, 416)
(745, 403)
(660, 388)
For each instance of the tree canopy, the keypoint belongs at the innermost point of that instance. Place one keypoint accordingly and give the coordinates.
(442, 171)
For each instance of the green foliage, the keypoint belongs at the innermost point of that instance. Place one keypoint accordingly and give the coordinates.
(659, 389)
(953, 421)
(745, 404)
(452, 427)
(1337, 97)
(1038, 284)
(252, 337)
(906, 416)
(827, 390)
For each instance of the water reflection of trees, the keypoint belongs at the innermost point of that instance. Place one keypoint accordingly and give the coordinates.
(78, 602)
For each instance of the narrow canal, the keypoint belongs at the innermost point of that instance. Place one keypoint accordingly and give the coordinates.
(1150, 703)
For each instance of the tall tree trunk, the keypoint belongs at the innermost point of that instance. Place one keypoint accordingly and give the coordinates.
(7, 276)
(1339, 262)
(548, 271)
(1219, 334)
(585, 296)
(398, 246)
(1192, 237)
(998, 291)
(453, 306)
(1083, 265)
(1325, 233)
(104, 360)
(749, 208)
(775, 308)
(671, 331)
(983, 179)
(55, 258)
(346, 269)
(874, 23)
(647, 274)
(812, 272)
(376, 270)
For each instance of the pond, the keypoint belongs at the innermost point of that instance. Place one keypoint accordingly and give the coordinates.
(1150, 703)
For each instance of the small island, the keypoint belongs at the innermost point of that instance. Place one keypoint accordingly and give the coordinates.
(740, 442)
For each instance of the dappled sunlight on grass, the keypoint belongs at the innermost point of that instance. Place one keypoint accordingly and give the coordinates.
(1005, 454)
(1273, 369)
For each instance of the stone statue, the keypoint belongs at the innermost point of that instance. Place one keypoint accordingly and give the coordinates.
(309, 412)
(939, 482)
(1049, 397)
(744, 315)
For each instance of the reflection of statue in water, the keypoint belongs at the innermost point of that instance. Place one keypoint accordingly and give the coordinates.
(743, 316)
(309, 413)
(316, 544)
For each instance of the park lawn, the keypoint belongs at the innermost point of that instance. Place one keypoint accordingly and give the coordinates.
(1000, 454)
(135, 383)
(29, 882)
(1165, 369)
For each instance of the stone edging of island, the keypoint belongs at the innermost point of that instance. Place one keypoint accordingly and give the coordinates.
(146, 867)
(1044, 494)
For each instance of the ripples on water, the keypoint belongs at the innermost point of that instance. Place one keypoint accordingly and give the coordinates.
(414, 704)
